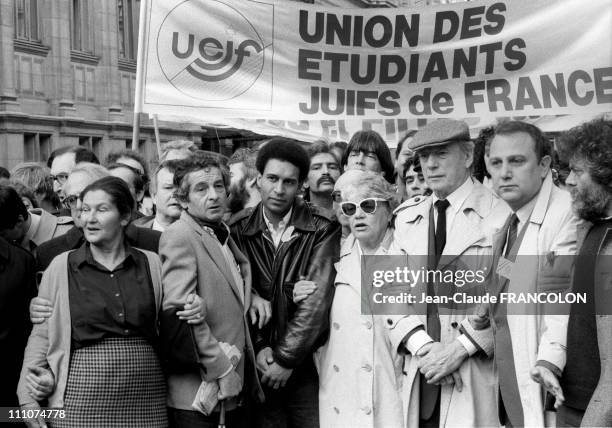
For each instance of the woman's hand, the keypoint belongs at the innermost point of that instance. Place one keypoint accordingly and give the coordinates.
(40, 383)
(260, 311)
(33, 422)
(40, 310)
(193, 311)
(302, 289)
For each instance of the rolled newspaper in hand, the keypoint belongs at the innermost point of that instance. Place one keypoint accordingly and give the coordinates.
(207, 396)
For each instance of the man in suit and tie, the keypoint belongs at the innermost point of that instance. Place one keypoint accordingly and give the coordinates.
(167, 208)
(532, 252)
(448, 225)
(198, 255)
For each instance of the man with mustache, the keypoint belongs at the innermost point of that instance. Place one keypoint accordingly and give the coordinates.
(323, 173)
(587, 377)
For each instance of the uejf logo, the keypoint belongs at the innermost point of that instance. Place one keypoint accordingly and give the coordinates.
(209, 50)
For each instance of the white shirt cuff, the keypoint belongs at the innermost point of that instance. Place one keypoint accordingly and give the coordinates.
(417, 340)
(467, 344)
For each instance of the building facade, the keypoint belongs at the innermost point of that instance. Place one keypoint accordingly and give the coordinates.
(67, 77)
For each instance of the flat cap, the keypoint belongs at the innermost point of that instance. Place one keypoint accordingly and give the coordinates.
(440, 131)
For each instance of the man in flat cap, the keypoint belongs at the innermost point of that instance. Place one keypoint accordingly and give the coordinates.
(453, 225)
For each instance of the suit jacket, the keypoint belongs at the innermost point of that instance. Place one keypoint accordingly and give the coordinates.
(17, 288)
(138, 237)
(469, 238)
(49, 226)
(599, 410)
(543, 264)
(192, 261)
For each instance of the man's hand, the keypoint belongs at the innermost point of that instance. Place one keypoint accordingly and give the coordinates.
(33, 422)
(549, 382)
(40, 383)
(264, 359)
(302, 289)
(230, 385)
(424, 350)
(276, 376)
(442, 361)
(40, 310)
(193, 311)
(260, 311)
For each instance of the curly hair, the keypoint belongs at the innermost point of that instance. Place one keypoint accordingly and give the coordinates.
(590, 142)
(196, 163)
(247, 157)
(285, 150)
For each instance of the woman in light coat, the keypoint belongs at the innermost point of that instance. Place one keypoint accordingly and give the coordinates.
(360, 373)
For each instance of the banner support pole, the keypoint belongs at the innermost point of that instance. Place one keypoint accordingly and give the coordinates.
(140, 67)
(157, 141)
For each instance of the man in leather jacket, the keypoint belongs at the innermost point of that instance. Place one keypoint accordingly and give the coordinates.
(288, 240)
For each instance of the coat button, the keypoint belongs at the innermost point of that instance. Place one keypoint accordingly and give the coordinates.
(368, 325)
(454, 324)
(337, 410)
(389, 321)
(367, 367)
(336, 326)
(336, 368)
(367, 410)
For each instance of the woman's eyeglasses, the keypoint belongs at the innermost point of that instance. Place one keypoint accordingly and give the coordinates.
(368, 206)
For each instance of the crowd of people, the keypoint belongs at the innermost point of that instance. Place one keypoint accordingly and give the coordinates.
(237, 298)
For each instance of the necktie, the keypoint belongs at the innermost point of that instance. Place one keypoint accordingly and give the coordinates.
(512, 232)
(430, 393)
(441, 206)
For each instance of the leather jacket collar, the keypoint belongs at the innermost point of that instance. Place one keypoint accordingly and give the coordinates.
(301, 219)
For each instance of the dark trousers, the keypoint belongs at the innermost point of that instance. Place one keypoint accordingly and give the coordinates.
(191, 419)
(569, 417)
(294, 406)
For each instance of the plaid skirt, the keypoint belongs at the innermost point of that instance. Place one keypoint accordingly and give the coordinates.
(117, 382)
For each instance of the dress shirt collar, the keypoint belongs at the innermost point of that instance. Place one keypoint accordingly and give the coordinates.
(524, 212)
(281, 224)
(157, 226)
(83, 255)
(277, 233)
(458, 197)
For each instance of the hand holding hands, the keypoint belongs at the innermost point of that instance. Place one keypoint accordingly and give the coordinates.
(260, 311)
(193, 311)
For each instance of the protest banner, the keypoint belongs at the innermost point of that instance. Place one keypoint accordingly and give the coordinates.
(292, 61)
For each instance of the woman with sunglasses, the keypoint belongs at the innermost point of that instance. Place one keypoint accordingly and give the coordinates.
(360, 372)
